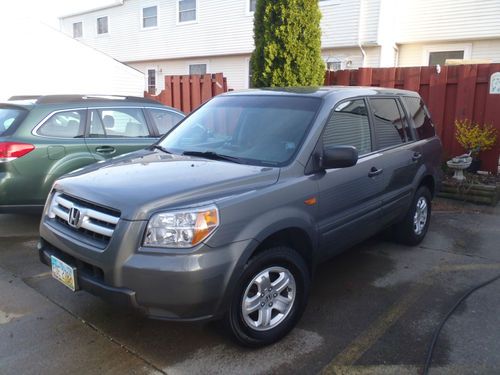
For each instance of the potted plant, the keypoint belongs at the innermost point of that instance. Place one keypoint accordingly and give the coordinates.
(474, 138)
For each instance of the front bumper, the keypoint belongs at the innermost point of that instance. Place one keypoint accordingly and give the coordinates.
(181, 286)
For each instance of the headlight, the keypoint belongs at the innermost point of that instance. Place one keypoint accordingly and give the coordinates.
(184, 229)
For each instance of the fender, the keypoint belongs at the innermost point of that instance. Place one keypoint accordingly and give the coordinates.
(65, 165)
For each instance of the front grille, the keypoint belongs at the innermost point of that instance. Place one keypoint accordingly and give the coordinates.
(85, 219)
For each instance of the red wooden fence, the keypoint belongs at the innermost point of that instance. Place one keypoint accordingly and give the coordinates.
(188, 92)
(457, 92)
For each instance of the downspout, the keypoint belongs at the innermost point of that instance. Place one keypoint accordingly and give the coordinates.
(360, 46)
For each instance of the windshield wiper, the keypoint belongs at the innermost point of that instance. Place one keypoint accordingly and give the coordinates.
(213, 156)
(161, 148)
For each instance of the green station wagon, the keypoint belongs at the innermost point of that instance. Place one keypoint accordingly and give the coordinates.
(43, 138)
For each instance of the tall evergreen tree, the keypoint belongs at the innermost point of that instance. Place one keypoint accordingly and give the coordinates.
(287, 37)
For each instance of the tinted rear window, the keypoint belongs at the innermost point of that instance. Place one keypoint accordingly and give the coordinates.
(10, 118)
(421, 118)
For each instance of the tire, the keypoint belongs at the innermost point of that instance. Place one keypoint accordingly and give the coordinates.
(250, 329)
(412, 230)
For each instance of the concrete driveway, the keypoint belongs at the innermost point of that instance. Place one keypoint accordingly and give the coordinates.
(372, 311)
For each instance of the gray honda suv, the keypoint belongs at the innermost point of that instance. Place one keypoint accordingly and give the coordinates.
(229, 214)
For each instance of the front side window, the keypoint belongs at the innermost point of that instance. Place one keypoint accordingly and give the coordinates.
(388, 122)
(118, 123)
(150, 17)
(257, 130)
(187, 10)
(349, 126)
(77, 30)
(164, 120)
(198, 69)
(67, 124)
(421, 118)
(102, 25)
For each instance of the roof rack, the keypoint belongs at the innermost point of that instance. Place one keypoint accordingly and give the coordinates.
(51, 99)
(24, 97)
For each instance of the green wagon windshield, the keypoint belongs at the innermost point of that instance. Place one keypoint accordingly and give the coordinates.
(257, 130)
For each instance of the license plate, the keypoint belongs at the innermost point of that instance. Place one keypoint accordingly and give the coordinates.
(64, 273)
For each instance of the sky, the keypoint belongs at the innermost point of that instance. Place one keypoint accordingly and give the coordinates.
(48, 11)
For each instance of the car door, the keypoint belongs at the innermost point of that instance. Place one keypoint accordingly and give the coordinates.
(350, 198)
(60, 148)
(117, 130)
(399, 159)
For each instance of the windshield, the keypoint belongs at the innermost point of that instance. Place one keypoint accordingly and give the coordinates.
(10, 117)
(259, 130)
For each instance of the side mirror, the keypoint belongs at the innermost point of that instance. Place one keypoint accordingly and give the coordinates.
(339, 157)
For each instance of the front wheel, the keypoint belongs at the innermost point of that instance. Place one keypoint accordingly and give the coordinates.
(270, 297)
(413, 228)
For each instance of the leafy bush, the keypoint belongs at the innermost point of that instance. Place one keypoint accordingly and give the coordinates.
(475, 137)
(287, 38)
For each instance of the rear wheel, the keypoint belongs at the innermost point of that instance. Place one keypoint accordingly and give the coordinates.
(413, 228)
(270, 297)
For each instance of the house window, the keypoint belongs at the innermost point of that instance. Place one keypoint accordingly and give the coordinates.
(334, 65)
(252, 5)
(187, 10)
(440, 57)
(198, 69)
(102, 25)
(77, 30)
(150, 17)
(152, 81)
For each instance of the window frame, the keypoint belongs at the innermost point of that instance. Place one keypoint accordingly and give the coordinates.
(370, 125)
(97, 25)
(248, 11)
(406, 121)
(73, 26)
(147, 80)
(157, 17)
(427, 49)
(178, 13)
(207, 66)
(411, 122)
(51, 114)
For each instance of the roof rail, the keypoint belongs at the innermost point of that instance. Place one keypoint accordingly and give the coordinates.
(51, 99)
(24, 97)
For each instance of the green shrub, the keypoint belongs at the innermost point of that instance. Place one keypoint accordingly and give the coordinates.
(287, 38)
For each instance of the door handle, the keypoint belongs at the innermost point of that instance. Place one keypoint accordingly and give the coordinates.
(416, 156)
(374, 172)
(105, 150)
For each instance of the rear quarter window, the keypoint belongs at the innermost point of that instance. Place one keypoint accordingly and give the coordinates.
(421, 117)
(64, 124)
(10, 118)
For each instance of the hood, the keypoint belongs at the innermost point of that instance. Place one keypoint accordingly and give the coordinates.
(145, 181)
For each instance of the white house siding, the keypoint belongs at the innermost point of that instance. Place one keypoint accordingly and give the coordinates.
(223, 27)
(48, 62)
(235, 69)
(415, 55)
(440, 20)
